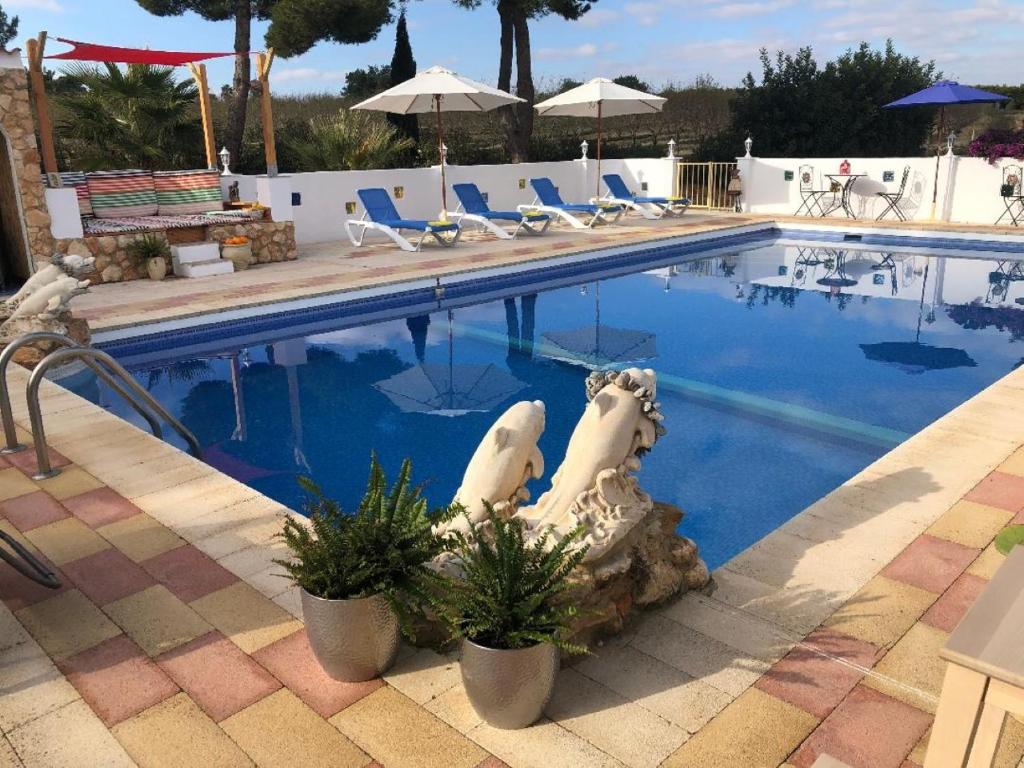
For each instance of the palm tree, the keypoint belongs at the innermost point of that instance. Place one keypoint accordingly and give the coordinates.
(136, 117)
(350, 141)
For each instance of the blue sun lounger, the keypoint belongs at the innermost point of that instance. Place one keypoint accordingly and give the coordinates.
(381, 216)
(473, 207)
(648, 207)
(549, 201)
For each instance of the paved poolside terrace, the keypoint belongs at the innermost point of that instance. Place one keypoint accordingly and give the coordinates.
(174, 641)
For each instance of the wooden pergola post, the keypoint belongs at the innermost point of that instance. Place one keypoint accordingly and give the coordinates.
(263, 63)
(36, 46)
(199, 74)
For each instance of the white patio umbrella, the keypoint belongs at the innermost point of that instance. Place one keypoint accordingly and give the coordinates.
(600, 98)
(438, 90)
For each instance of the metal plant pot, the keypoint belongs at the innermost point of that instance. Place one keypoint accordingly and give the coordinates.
(509, 688)
(354, 640)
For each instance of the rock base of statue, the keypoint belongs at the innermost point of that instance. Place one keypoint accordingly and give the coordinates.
(76, 328)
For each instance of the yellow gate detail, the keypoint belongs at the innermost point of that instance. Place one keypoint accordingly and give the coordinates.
(705, 184)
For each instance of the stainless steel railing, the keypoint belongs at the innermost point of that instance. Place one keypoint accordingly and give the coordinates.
(105, 367)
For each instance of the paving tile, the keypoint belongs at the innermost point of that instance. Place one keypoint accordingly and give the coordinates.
(282, 731)
(912, 670)
(881, 612)
(1000, 490)
(32, 510)
(1014, 465)
(72, 481)
(107, 576)
(157, 620)
(654, 685)
(820, 672)
(699, 656)
(396, 731)
(291, 601)
(612, 723)
(868, 730)
(987, 563)
(27, 463)
(250, 620)
(453, 707)
(950, 608)
(492, 762)
(755, 731)
(16, 591)
(8, 759)
(797, 609)
(423, 675)
(117, 679)
(101, 506)
(66, 540)
(140, 537)
(973, 525)
(176, 734)
(217, 675)
(67, 624)
(30, 685)
(69, 737)
(543, 745)
(930, 563)
(13, 483)
(188, 573)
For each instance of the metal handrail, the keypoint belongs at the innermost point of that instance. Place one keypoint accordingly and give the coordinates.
(6, 412)
(88, 353)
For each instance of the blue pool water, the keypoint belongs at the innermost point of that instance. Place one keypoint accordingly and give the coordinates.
(783, 369)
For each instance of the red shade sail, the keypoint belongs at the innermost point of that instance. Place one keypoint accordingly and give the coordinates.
(113, 53)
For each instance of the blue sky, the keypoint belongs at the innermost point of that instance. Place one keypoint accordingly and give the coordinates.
(669, 40)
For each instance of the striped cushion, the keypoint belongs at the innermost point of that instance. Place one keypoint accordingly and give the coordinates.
(122, 193)
(76, 179)
(184, 192)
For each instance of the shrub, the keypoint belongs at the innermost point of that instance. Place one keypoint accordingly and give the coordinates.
(997, 143)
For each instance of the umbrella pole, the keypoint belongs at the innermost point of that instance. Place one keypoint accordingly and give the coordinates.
(598, 191)
(440, 157)
(938, 139)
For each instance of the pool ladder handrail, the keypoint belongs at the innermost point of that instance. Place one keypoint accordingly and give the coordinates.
(105, 367)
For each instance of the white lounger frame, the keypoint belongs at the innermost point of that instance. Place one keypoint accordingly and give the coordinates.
(647, 210)
(365, 224)
(570, 216)
(496, 229)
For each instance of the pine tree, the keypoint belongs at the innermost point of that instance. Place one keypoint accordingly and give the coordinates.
(403, 67)
(8, 29)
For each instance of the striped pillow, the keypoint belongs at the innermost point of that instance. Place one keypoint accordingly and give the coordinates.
(187, 192)
(76, 179)
(116, 194)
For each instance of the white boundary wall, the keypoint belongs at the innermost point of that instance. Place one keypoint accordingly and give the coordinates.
(968, 187)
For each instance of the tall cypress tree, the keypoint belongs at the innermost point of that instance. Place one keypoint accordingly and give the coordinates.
(403, 67)
(9, 30)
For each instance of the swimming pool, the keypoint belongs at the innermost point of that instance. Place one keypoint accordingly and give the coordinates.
(785, 366)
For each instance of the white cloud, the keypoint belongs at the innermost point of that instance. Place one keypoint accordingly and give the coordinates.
(598, 17)
(35, 5)
(645, 14)
(756, 8)
(584, 51)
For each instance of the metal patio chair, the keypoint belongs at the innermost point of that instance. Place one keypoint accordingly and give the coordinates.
(810, 198)
(893, 198)
(1012, 194)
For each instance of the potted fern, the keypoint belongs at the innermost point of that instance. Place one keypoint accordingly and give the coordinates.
(152, 251)
(359, 573)
(512, 612)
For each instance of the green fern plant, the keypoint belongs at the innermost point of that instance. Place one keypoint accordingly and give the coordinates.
(514, 593)
(382, 548)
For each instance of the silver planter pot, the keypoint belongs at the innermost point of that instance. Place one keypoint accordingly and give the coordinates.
(509, 688)
(354, 640)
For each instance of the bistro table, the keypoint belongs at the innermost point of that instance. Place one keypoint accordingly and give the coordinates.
(845, 182)
(985, 677)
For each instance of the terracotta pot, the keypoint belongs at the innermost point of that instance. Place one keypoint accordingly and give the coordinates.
(239, 255)
(509, 688)
(354, 640)
(156, 267)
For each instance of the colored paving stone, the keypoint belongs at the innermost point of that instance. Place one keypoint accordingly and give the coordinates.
(217, 675)
(756, 731)
(971, 524)
(393, 729)
(188, 573)
(881, 612)
(250, 620)
(99, 507)
(818, 674)
(930, 563)
(27, 463)
(176, 734)
(32, 510)
(16, 591)
(30, 684)
(67, 624)
(66, 738)
(107, 576)
(543, 745)
(912, 670)
(14, 483)
(72, 481)
(1000, 490)
(117, 679)
(1014, 465)
(423, 674)
(140, 537)
(66, 540)
(950, 608)
(987, 563)
(291, 661)
(868, 730)
(281, 731)
(157, 620)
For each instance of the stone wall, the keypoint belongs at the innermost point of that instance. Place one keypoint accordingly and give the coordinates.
(271, 241)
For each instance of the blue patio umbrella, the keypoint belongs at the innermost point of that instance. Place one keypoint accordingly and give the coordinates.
(941, 94)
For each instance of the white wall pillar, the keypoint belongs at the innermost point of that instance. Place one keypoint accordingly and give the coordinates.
(275, 193)
(745, 165)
